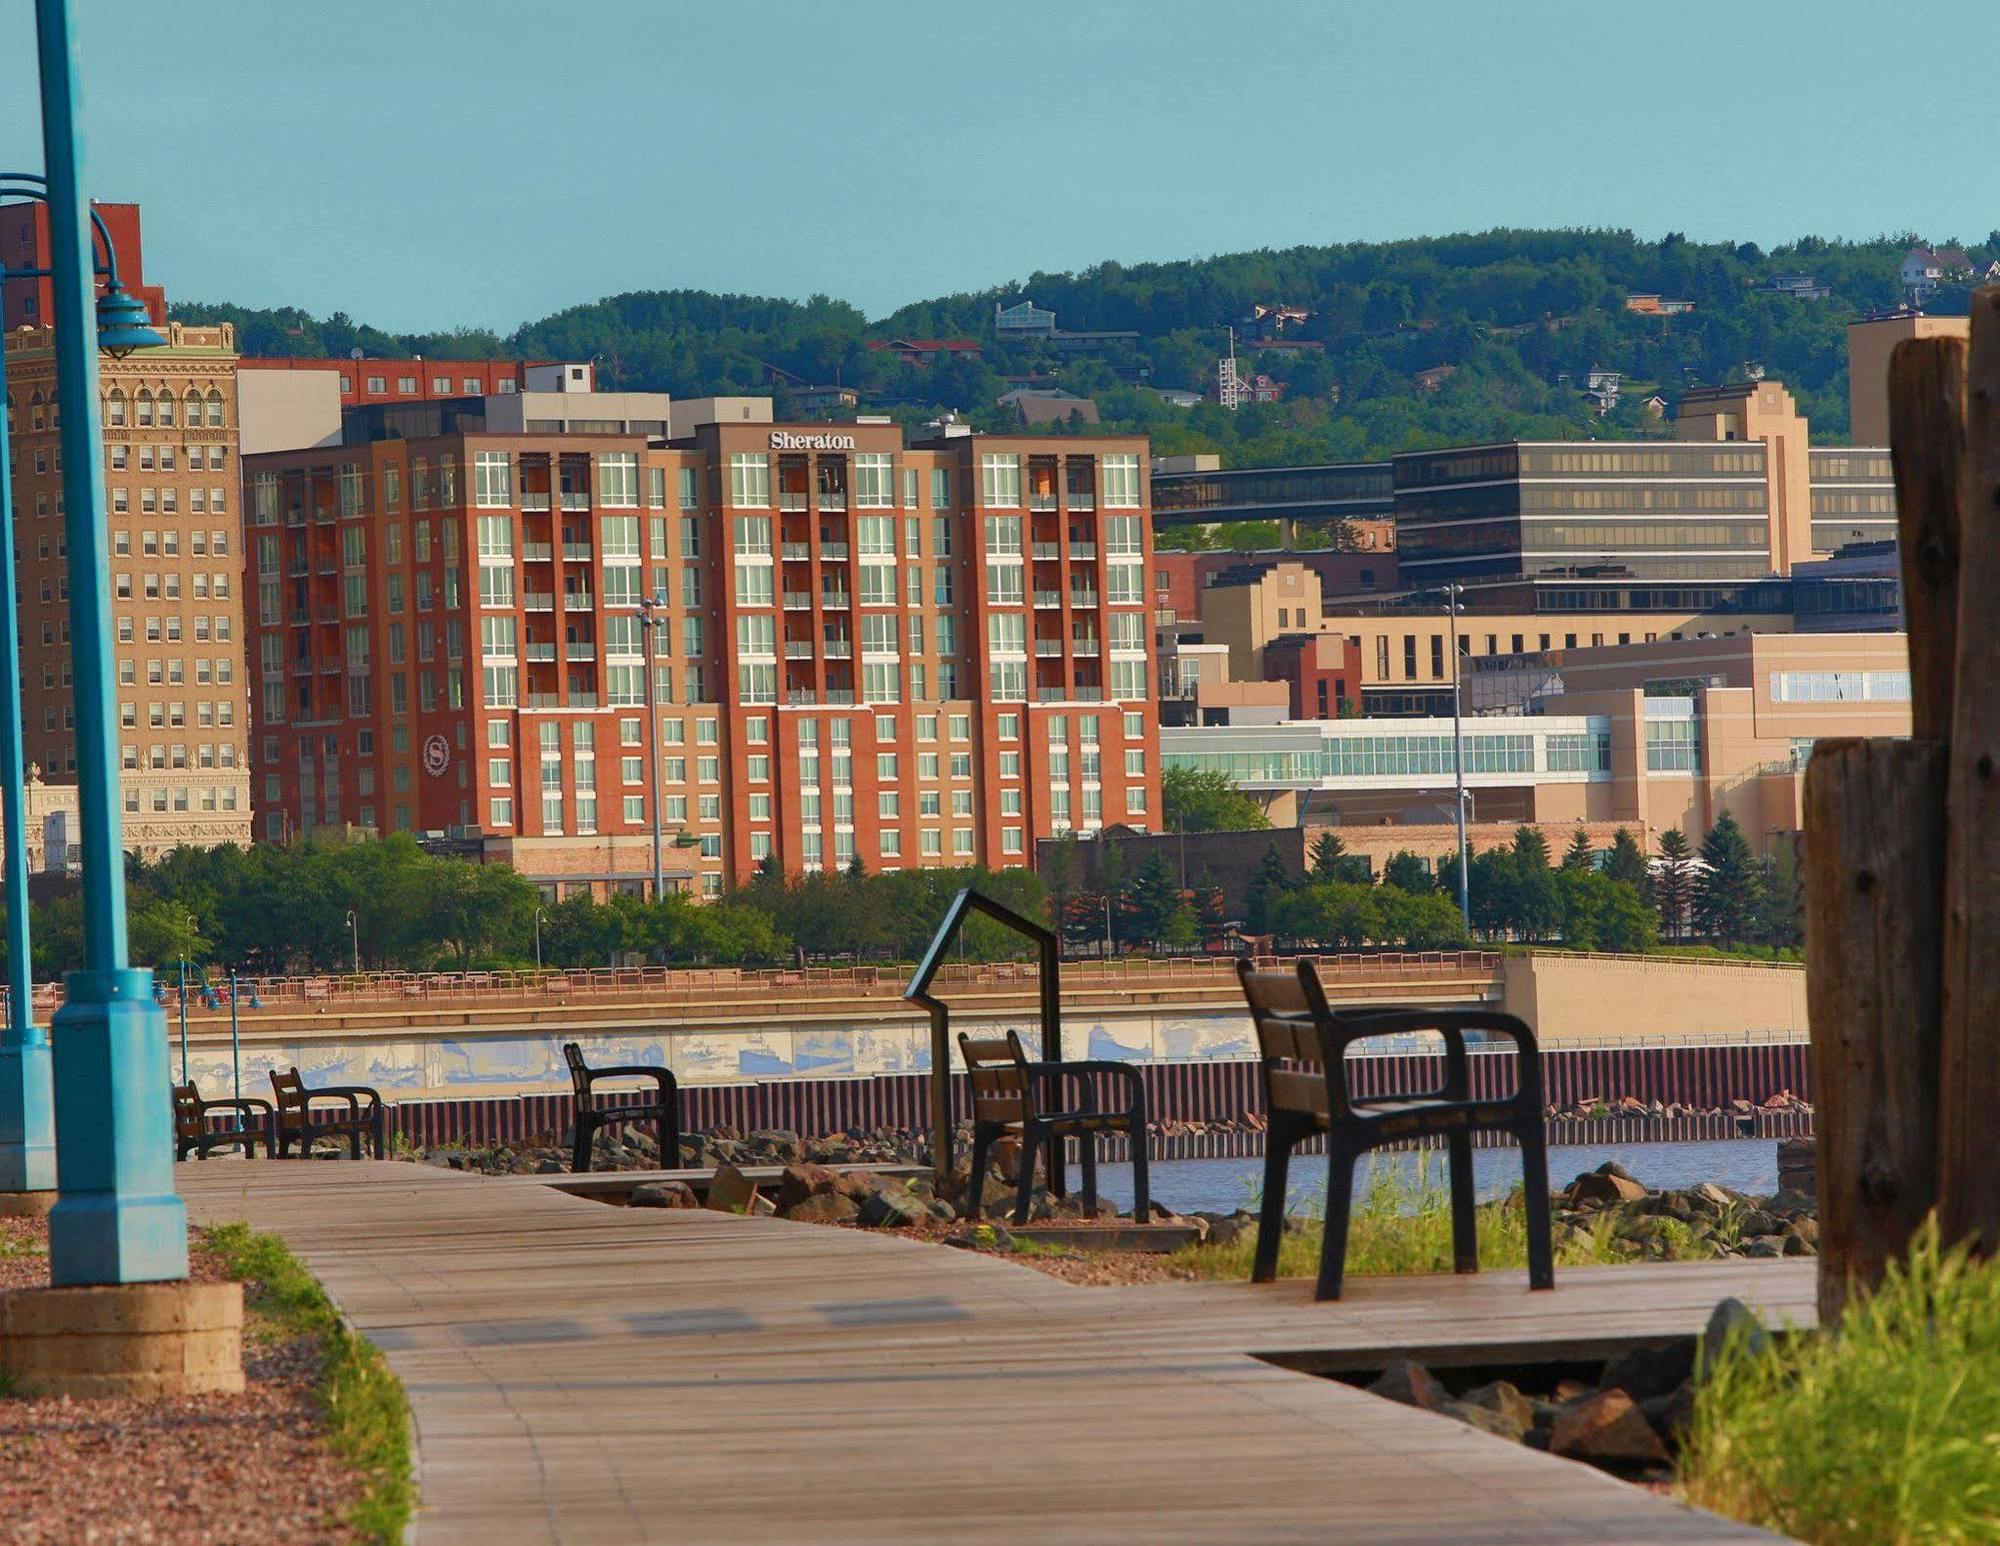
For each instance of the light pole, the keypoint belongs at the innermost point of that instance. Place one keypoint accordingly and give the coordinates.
(648, 606)
(1452, 592)
(27, 1099)
(538, 939)
(117, 1219)
(354, 933)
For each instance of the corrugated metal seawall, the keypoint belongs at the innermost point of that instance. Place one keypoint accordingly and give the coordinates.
(1705, 1077)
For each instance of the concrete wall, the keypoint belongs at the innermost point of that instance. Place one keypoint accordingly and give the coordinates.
(1580, 998)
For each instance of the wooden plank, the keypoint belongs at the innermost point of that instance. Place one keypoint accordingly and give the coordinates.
(1927, 449)
(1969, 1043)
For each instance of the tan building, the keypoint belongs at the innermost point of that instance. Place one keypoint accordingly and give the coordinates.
(1650, 737)
(1870, 342)
(1762, 412)
(169, 426)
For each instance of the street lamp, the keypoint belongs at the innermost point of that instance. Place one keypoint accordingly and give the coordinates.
(27, 1111)
(354, 932)
(649, 606)
(117, 1219)
(538, 938)
(1452, 592)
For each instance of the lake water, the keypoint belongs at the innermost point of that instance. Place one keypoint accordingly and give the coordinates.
(1220, 1185)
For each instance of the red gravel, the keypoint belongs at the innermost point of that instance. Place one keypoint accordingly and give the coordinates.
(251, 1468)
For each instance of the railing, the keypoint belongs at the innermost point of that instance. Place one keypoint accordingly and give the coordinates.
(576, 499)
(537, 552)
(797, 551)
(1086, 648)
(833, 550)
(792, 502)
(1048, 598)
(1082, 499)
(538, 601)
(539, 653)
(534, 499)
(1083, 598)
(1041, 501)
(834, 598)
(798, 601)
(579, 652)
(1049, 648)
(832, 502)
(798, 649)
(839, 649)
(1085, 551)
(576, 552)
(577, 601)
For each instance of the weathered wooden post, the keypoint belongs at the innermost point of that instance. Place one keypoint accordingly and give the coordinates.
(1969, 1072)
(1875, 843)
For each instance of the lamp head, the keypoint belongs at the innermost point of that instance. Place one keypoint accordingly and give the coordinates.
(122, 324)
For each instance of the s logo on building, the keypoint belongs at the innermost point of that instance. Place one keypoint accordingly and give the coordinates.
(437, 755)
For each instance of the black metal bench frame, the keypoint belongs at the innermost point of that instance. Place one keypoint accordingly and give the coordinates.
(193, 1134)
(363, 1116)
(1004, 1089)
(1296, 1025)
(664, 1110)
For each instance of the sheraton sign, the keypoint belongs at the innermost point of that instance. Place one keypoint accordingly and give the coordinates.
(785, 440)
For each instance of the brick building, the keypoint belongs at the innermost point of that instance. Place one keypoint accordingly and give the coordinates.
(924, 654)
(408, 381)
(24, 243)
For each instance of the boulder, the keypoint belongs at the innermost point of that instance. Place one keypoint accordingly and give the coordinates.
(730, 1191)
(663, 1194)
(1762, 1246)
(1600, 1187)
(890, 1210)
(802, 1181)
(1805, 1230)
(1412, 1384)
(1606, 1427)
(1645, 1372)
(1671, 1412)
(1500, 1424)
(823, 1208)
(1505, 1401)
(1708, 1198)
(1732, 1323)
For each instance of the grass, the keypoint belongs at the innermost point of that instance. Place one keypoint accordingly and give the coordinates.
(368, 1420)
(1884, 1431)
(1402, 1223)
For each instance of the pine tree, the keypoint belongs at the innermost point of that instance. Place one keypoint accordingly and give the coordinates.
(1672, 882)
(1406, 872)
(1728, 892)
(1271, 880)
(1537, 903)
(1327, 853)
(1626, 861)
(1579, 855)
(1780, 921)
(1209, 906)
(1152, 898)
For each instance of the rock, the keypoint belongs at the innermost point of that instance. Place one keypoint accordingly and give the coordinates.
(823, 1208)
(1229, 1231)
(1568, 1391)
(1606, 1426)
(1601, 1186)
(1732, 1326)
(761, 1207)
(890, 1210)
(1505, 1401)
(940, 1210)
(1671, 1412)
(730, 1191)
(1756, 1221)
(1412, 1384)
(549, 1167)
(1708, 1198)
(1805, 1230)
(663, 1194)
(1762, 1246)
(802, 1181)
(1500, 1424)
(1645, 1372)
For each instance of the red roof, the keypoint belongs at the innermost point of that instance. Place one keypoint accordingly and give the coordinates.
(927, 345)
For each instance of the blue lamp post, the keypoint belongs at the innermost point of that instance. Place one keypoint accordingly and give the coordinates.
(117, 1219)
(27, 1114)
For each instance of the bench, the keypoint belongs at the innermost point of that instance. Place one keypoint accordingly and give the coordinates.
(1302, 1043)
(1003, 1104)
(663, 1110)
(194, 1134)
(360, 1115)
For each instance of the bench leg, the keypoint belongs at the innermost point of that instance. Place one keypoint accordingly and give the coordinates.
(1464, 1212)
(1142, 1190)
(1339, 1204)
(1032, 1139)
(1086, 1156)
(975, 1190)
(1278, 1139)
(670, 1139)
(1533, 1138)
(579, 1160)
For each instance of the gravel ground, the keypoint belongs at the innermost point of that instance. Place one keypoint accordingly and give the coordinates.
(251, 1468)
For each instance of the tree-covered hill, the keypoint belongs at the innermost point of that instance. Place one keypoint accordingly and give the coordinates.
(1510, 311)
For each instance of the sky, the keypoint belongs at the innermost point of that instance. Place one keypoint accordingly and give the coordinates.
(427, 164)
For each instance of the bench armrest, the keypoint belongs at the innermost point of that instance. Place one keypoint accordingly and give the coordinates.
(664, 1076)
(353, 1094)
(1135, 1083)
(247, 1104)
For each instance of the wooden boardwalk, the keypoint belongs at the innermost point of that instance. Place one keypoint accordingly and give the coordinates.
(581, 1373)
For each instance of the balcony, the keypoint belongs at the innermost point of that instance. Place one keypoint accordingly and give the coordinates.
(1083, 552)
(839, 695)
(576, 499)
(1049, 649)
(583, 652)
(539, 654)
(835, 598)
(797, 552)
(1083, 598)
(838, 649)
(576, 552)
(832, 501)
(792, 500)
(1047, 550)
(798, 649)
(1084, 649)
(542, 700)
(1041, 501)
(1082, 499)
(537, 552)
(1045, 599)
(537, 601)
(534, 499)
(578, 601)
(798, 601)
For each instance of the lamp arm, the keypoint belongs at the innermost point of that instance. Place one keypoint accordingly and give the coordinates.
(33, 187)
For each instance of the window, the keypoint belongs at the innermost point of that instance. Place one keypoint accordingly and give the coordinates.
(1000, 480)
(492, 480)
(618, 480)
(874, 480)
(1119, 482)
(749, 480)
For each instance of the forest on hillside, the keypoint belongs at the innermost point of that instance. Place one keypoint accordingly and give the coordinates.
(1508, 310)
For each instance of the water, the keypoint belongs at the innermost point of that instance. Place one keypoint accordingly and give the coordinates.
(1220, 1185)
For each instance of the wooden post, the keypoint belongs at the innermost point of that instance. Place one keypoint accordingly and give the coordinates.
(1969, 1069)
(1927, 445)
(1874, 836)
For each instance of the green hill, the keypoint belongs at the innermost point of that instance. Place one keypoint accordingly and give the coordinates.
(1508, 310)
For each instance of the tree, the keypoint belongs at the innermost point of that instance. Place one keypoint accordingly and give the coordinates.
(1270, 882)
(1672, 888)
(1537, 907)
(1209, 907)
(1424, 920)
(1579, 855)
(1728, 891)
(1152, 898)
(1408, 873)
(1332, 912)
(1205, 800)
(1626, 861)
(1330, 860)
(1780, 919)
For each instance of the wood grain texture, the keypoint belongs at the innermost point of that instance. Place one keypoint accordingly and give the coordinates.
(1969, 1049)
(1927, 447)
(586, 1373)
(1874, 897)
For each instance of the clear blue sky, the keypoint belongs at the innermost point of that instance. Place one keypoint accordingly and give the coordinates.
(429, 163)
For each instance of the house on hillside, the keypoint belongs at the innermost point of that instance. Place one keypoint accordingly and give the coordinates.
(1269, 323)
(1657, 305)
(1024, 319)
(1035, 409)
(1800, 287)
(921, 351)
(1430, 380)
(1924, 269)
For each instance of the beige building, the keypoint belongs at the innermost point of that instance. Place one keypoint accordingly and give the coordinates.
(1761, 412)
(169, 427)
(1869, 344)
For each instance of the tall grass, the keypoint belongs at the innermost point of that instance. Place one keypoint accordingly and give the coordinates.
(1885, 1431)
(368, 1421)
(1401, 1222)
